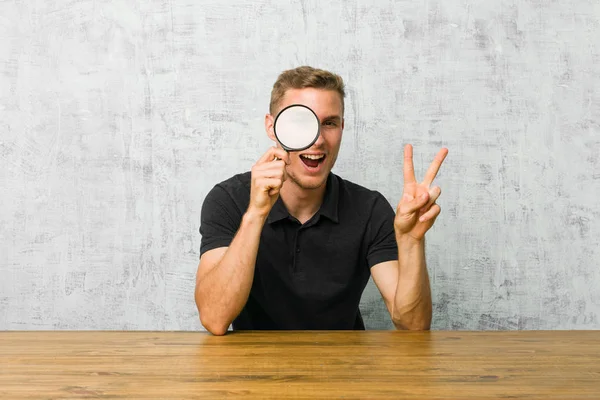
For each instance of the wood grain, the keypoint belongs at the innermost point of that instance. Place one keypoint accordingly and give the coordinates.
(371, 364)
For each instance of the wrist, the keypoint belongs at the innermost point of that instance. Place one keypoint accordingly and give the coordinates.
(254, 216)
(407, 240)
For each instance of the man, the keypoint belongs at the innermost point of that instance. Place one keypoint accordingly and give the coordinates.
(291, 245)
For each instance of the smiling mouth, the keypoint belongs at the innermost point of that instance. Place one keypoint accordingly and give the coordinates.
(312, 160)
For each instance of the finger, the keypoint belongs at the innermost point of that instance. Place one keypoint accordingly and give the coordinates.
(433, 212)
(273, 165)
(284, 174)
(434, 194)
(281, 154)
(274, 191)
(272, 154)
(435, 166)
(267, 156)
(268, 184)
(415, 204)
(272, 169)
(409, 169)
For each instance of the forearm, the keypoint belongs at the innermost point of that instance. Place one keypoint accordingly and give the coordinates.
(412, 301)
(222, 293)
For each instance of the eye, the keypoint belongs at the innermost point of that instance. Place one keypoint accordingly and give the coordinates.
(330, 123)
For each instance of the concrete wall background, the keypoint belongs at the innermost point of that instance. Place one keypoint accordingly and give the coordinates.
(116, 118)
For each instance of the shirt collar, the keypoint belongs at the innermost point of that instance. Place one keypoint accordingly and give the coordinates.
(328, 209)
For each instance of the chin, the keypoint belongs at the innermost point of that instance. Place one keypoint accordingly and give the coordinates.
(310, 179)
(309, 183)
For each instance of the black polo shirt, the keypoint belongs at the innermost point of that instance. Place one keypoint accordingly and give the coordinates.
(308, 276)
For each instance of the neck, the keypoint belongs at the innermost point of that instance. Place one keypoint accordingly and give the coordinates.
(301, 203)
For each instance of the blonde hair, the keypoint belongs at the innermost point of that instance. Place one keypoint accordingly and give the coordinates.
(305, 77)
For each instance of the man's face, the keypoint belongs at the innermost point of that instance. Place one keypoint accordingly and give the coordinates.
(309, 168)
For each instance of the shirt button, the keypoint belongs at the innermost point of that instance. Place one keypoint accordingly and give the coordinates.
(298, 250)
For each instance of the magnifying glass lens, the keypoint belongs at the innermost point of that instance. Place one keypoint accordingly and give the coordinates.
(296, 127)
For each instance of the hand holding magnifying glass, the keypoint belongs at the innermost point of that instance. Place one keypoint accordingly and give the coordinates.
(296, 128)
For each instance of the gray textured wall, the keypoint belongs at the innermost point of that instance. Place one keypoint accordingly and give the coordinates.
(117, 117)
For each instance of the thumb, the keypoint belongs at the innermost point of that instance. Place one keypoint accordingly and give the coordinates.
(417, 203)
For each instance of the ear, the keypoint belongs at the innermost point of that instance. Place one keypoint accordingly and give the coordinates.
(269, 123)
(343, 120)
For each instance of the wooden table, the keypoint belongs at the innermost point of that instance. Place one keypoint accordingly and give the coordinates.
(368, 364)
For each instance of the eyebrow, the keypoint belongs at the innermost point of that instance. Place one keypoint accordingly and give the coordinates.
(332, 117)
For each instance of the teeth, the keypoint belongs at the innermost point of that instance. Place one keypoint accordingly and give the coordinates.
(313, 156)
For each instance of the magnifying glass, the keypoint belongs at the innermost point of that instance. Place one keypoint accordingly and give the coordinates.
(296, 127)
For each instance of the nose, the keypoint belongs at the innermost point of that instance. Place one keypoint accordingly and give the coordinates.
(320, 140)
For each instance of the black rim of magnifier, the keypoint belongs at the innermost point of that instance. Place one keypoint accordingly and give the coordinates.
(311, 143)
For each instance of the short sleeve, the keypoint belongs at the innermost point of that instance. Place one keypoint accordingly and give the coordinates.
(382, 244)
(219, 220)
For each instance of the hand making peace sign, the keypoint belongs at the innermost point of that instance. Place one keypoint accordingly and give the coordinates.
(417, 210)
